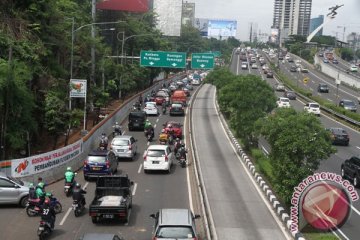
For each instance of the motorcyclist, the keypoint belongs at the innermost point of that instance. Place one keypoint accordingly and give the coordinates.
(48, 213)
(69, 176)
(177, 145)
(171, 133)
(140, 100)
(32, 192)
(153, 93)
(163, 105)
(163, 136)
(149, 128)
(147, 99)
(182, 151)
(40, 192)
(104, 140)
(117, 128)
(78, 194)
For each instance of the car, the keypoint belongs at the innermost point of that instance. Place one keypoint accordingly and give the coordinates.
(335, 61)
(351, 169)
(137, 120)
(290, 60)
(348, 105)
(151, 108)
(177, 109)
(187, 91)
(290, 95)
(313, 108)
(13, 190)
(269, 74)
(195, 82)
(173, 223)
(304, 69)
(353, 68)
(279, 87)
(293, 68)
(176, 126)
(124, 146)
(100, 236)
(189, 86)
(325, 60)
(254, 66)
(100, 162)
(339, 136)
(158, 157)
(281, 57)
(321, 54)
(322, 87)
(283, 102)
(159, 99)
(287, 57)
(244, 65)
(253, 59)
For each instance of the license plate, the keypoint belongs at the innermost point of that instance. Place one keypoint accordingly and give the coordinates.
(120, 150)
(108, 216)
(67, 187)
(96, 168)
(155, 162)
(74, 205)
(136, 124)
(41, 228)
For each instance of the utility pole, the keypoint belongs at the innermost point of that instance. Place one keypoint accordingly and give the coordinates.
(93, 14)
(250, 32)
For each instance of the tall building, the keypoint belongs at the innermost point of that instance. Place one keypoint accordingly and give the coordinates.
(315, 23)
(292, 17)
(188, 13)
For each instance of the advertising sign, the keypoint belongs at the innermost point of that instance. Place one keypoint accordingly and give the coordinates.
(274, 35)
(168, 16)
(35, 164)
(202, 25)
(78, 88)
(223, 28)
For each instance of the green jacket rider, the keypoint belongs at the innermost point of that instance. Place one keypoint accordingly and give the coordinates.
(147, 124)
(69, 175)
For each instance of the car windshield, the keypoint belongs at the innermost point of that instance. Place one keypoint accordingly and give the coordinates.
(120, 142)
(284, 100)
(349, 103)
(314, 105)
(155, 153)
(18, 181)
(176, 106)
(175, 232)
(97, 159)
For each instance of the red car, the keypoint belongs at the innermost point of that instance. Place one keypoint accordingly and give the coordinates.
(159, 100)
(176, 126)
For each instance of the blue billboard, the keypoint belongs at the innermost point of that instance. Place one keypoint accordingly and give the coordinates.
(223, 28)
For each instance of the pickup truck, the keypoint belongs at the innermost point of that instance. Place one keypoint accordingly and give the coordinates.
(113, 198)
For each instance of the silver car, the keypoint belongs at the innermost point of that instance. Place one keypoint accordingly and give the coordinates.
(13, 191)
(124, 146)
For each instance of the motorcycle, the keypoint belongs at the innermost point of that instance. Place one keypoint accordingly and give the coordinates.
(34, 209)
(148, 135)
(68, 187)
(181, 157)
(164, 110)
(44, 230)
(78, 208)
(116, 133)
(103, 145)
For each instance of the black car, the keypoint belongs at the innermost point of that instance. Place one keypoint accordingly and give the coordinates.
(290, 95)
(351, 169)
(323, 88)
(137, 120)
(269, 74)
(290, 60)
(339, 136)
(177, 109)
(293, 68)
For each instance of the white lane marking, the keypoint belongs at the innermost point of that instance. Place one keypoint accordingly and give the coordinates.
(273, 214)
(155, 126)
(123, 133)
(148, 143)
(187, 169)
(357, 147)
(134, 190)
(237, 65)
(157, 120)
(139, 170)
(86, 184)
(66, 215)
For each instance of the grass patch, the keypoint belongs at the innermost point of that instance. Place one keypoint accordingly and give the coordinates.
(262, 163)
(311, 233)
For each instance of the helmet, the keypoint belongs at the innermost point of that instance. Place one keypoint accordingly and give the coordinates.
(116, 123)
(31, 185)
(183, 145)
(163, 131)
(47, 201)
(177, 139)
(78, 185)
(68, 169)
(41, 185)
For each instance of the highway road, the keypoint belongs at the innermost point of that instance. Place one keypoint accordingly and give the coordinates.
(236, 204)
(332, 164)
(150, 192)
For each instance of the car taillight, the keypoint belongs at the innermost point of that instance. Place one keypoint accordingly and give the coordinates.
(111, 147)
(145, 157)
(107, 164)
(166, 158)
(130, 147)
(86, 162)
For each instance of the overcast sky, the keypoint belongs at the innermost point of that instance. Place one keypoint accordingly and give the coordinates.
(260, 13)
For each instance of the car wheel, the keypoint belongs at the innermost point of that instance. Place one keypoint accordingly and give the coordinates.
(342, 173)
(356, 181)
(94, 220)
(24, 201)
(146, 171)
(86, 178)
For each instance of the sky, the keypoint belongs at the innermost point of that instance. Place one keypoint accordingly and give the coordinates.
(260, 14)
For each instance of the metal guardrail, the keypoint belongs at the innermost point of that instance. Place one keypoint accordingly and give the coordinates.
(330, 111)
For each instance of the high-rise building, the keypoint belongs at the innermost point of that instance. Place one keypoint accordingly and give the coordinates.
(315, 23)
(188, 13)
(292, 17)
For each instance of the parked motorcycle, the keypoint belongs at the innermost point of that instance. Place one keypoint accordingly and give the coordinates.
(33, 208)
(44, 230)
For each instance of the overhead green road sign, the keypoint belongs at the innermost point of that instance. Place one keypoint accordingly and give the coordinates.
(162, 59)
(202, 60)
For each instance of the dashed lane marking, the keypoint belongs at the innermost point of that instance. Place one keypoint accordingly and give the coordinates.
(140, 167)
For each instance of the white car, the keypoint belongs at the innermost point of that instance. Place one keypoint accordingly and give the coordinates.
(151, 108)
(254, 66)
(158, 157)
(312, 108)
(287, 57)
(244, 65)
(283, 102)
(353, 68)
(195, 82)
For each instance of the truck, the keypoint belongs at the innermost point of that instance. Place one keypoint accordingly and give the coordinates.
(329, 56)
(113, 198)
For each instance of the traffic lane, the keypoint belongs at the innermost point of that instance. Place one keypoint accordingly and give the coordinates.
(237, 208)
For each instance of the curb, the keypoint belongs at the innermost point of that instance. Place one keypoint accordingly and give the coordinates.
(283, 216)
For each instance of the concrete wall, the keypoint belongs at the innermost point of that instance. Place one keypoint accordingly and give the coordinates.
(91, 140)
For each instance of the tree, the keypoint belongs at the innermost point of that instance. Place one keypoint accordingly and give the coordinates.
(347, 54)
(247, 98)
(298, 143)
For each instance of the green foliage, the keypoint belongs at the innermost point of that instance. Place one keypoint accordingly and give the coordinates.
(347, 54)
(298, 142)
(263, 163)
(324, 40)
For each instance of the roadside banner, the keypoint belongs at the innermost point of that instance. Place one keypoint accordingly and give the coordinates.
(39, 163)
(78, 88)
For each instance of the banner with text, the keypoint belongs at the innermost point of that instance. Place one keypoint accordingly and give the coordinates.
(78, 88)
(35, 164)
